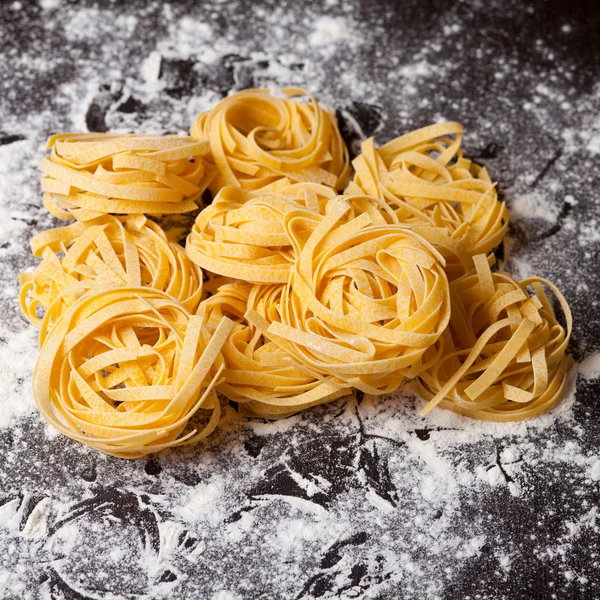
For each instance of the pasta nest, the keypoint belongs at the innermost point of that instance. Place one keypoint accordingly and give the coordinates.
(258, 373)
(446, 198)
(503, 356)
(124, 370)
(91, 174)
(256, 138)
(109, 250)
(243, 235)
(363, 302)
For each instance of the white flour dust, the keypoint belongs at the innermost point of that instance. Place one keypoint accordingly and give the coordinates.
(427, 512)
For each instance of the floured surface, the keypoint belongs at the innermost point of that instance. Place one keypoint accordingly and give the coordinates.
(353, 500)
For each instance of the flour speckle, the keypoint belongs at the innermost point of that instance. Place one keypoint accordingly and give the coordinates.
(532, 205)
(328, 30)
(362, 498)
(50, 4)
(593, 144)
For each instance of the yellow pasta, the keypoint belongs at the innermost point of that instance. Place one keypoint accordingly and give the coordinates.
(503, 356)
(256, 138)
(109, 250)
(242, 234)
(363, 303)
(313, 196)
(124, 370)
(91, 174)
(445, 198)
(258, 374)
(313, 292)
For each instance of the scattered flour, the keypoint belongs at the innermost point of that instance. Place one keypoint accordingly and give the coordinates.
(439, 465)
(50, 4)
(589, 367)
(328, 30)
(150, 67)
(18, 354)
(593, 144)
(532, 205)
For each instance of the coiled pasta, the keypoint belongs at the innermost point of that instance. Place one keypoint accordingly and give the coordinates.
(363, 303)
(257, 138)
(503, 356)
(258, 373)
(446, 198)
(242, 235)
(124, 369)
(109, 250)
(91, 174)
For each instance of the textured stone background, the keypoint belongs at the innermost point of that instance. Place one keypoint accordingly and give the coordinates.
(353, 500)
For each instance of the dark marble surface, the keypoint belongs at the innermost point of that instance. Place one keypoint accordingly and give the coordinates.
(357, 499)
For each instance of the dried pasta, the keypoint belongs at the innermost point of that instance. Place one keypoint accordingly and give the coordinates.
(124, 370)
(363, 303)
(257, 138)
(258, 374)
(313, 292)
(446, 198)
(502, 357)
(91, 174)
(242, 235)
(128, 251)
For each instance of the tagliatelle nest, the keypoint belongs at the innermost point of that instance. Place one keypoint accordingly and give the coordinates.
(244, 236)
(91, 174)
(109, 250)
(258, 373)
(363, 304)
(312, 293)
(124, 369)
(446, 198)
(503, 356)
(257, 138)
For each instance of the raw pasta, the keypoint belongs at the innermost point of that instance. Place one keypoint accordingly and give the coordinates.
(257, 138)
(242, 234)
(128, 251)
(446, 198)
(124, 370)
(363, 303)
(503, 356)
(258, 373)
(91, 174)
(311, 293)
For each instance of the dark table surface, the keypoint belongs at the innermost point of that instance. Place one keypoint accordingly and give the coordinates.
(356, 499)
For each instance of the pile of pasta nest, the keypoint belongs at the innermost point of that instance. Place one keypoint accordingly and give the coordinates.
(320, 277)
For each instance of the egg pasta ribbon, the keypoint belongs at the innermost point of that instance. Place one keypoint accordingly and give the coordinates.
(258, 374)
(363, 303)
(446, 198)
(316, 287)
(125, 369)
(127, 251)
(242, 234)
(502, 357)
(257, 138)
(91, 174)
